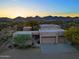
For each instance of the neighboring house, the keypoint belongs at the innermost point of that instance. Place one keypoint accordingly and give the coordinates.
(27, 28)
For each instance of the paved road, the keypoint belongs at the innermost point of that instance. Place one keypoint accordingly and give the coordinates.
(49, 51)
(36, 54)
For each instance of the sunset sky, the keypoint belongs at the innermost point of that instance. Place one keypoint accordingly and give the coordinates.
(24, 8)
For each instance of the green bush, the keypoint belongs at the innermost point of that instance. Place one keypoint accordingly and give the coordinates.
(72, 34)
(21, 39)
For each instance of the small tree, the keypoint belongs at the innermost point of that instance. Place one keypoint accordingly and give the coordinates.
(72, 34)
(34, 24)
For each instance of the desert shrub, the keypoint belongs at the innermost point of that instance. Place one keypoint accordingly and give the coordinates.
(72, 34)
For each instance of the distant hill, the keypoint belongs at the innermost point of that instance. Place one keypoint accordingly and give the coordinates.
(37, 18)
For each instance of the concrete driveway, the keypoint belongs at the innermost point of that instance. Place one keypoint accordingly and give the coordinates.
(57, 48)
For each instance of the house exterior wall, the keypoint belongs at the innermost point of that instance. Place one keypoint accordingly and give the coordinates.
(51, 34)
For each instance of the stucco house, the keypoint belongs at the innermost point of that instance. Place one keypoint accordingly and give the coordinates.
(48, 33)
